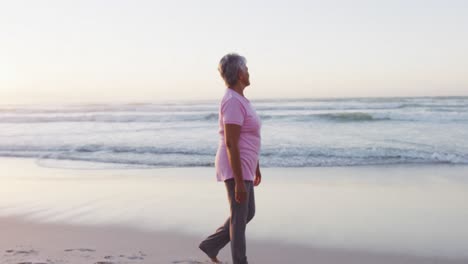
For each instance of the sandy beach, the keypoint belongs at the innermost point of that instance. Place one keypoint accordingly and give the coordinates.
(57, 215)
(117, 118)
(28, 242)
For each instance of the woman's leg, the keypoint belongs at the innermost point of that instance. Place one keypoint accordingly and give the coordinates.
(234, 228)
(214, 243)
(239, 219)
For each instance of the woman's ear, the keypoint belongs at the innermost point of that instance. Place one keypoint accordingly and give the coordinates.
(241, 75)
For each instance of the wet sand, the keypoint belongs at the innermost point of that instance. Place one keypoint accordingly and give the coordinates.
(28, 242)
(340, 215)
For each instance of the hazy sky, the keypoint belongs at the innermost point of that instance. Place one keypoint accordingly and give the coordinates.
(94, 51)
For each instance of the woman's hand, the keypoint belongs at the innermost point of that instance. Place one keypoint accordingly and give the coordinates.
(241, 193)
(258, 175)
(258, 179)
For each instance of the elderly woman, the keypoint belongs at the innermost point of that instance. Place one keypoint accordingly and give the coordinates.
(236, 162)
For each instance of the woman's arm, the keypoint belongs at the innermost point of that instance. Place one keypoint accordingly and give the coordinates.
(231, 136)
(258, 175)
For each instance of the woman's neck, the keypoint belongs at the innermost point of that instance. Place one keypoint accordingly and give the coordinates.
(239, 88)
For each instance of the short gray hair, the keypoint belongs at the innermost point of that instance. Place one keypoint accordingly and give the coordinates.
(229, 67)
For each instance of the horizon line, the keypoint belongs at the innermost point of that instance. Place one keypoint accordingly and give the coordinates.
(253, 99)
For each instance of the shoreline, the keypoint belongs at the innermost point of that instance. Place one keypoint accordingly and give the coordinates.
(58, 243)
(57, 215)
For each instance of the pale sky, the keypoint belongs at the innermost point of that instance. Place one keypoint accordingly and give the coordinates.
(139, 51)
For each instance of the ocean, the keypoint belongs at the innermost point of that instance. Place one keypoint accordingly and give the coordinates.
(372, 174)
(295, 133)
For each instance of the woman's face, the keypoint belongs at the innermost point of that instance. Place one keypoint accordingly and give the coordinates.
(244, 76)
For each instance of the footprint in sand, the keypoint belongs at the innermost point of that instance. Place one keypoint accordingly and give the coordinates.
(21, 252)
(135, 256)
(80, 249)
(32, 263)
(25, 253)
(83, 251)
(190, 261)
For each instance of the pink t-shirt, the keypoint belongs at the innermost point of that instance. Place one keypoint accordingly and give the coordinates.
(236, 109)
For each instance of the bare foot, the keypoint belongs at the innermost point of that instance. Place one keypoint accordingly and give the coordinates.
(215, 260)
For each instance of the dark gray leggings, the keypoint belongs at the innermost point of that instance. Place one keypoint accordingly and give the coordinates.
(234, 228)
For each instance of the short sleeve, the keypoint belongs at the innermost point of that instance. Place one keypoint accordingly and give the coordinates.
(233, 112)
